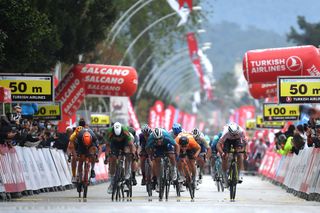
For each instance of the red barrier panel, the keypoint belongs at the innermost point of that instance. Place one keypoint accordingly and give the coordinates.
(260, 90)
(263, 66)
(10, 170)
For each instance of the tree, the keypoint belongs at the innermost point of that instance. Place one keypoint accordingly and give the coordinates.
(35, 34)
(28, 39)
(310, 34)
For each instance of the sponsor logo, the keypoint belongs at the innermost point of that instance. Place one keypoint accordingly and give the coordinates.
(294, 63)
(313, 71)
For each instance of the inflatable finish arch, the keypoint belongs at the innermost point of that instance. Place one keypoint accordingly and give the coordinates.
(94, 79)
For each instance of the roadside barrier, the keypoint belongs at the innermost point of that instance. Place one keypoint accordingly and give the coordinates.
(28, 170)
(299, 174)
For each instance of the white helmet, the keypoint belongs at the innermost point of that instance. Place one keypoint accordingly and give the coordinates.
(117, 128)
(157, 133)
(233, 128)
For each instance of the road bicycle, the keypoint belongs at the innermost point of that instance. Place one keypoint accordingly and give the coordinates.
(189, 182)
(165, 177)
(233, 177)
(216, 172)
(83, 175)
(119, 180)
(148, 176)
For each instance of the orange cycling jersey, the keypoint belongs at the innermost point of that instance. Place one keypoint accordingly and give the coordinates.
(192, 145)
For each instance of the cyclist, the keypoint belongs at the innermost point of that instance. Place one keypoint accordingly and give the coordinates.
(189, 151)
(72, 155)
(143, 137)
(175, 130)
(134, 166)
(234, 135)
(205, 150)
(214, 151)
(118, 139)
(87, 146)
(159, 143)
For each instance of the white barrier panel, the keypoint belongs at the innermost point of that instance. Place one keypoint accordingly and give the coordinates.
(64, 165)
(314, 172)
(26, 168)
(34, 171)
(46, 168)
(56, 158)
(39, 163)
(53, 174)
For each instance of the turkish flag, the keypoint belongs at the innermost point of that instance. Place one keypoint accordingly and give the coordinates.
(188, 2)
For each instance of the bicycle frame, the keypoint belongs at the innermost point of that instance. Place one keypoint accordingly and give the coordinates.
(83, 175)
(217, 177)
(148, 176)
(165, 177)
(119, 179)
(189, 181)
(233, 173)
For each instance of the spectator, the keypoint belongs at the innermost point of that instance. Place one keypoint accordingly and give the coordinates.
(6, 131)
(63, 139)
(290, 131)
(285, 144)
(261, 149)
(298, 141)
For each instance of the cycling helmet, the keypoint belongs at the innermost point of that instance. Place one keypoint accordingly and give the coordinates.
(145, 129)
(282, 138)
(132, 130)
(117, 128)
(219, 134)
(196, 132)
(184, 141)
(176, 128)
(216, 137)
(82, 122)
(87, 138)
(158, 133)
(233, 128)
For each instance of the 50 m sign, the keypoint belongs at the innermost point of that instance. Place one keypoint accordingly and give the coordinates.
(29, 87)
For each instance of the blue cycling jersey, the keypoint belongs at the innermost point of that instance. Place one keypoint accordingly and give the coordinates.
(167, 140)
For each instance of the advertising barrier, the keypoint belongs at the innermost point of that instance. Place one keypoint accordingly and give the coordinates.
(32, 169)
(299, 173)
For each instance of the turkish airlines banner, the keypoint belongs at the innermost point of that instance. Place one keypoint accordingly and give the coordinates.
(261, 90)
(93, 79)
(188, 2)
(262, 66)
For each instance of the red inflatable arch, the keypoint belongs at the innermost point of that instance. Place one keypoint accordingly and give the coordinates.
(259, 90)
(94, 79)
(262, 66)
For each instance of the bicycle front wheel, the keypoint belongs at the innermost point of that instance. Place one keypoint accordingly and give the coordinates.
(233, 181)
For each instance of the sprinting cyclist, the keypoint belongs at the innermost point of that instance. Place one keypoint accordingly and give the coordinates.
(189, 151)
(205, 150)
(160, 143)
(118, 139)
(143, 138)
(234, 135)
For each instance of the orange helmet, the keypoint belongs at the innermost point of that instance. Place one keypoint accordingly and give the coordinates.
(87, 138)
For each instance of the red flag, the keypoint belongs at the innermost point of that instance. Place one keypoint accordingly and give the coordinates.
(193, 46)
(188, 2)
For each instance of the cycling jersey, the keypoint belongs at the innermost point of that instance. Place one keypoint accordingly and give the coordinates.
(161, 146)
(192, 147)
(118, 143)
(81, 147)
(226, 135)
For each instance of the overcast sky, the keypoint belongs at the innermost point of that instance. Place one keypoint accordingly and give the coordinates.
(275, 15)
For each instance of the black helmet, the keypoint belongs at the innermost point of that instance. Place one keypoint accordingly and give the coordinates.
(184, 141)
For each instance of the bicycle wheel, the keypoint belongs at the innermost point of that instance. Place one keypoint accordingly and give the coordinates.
(161, 182)
(148, 178)
(233, 180)
(79, 189)
(85, 190)
(218, 185)
(167, 181)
